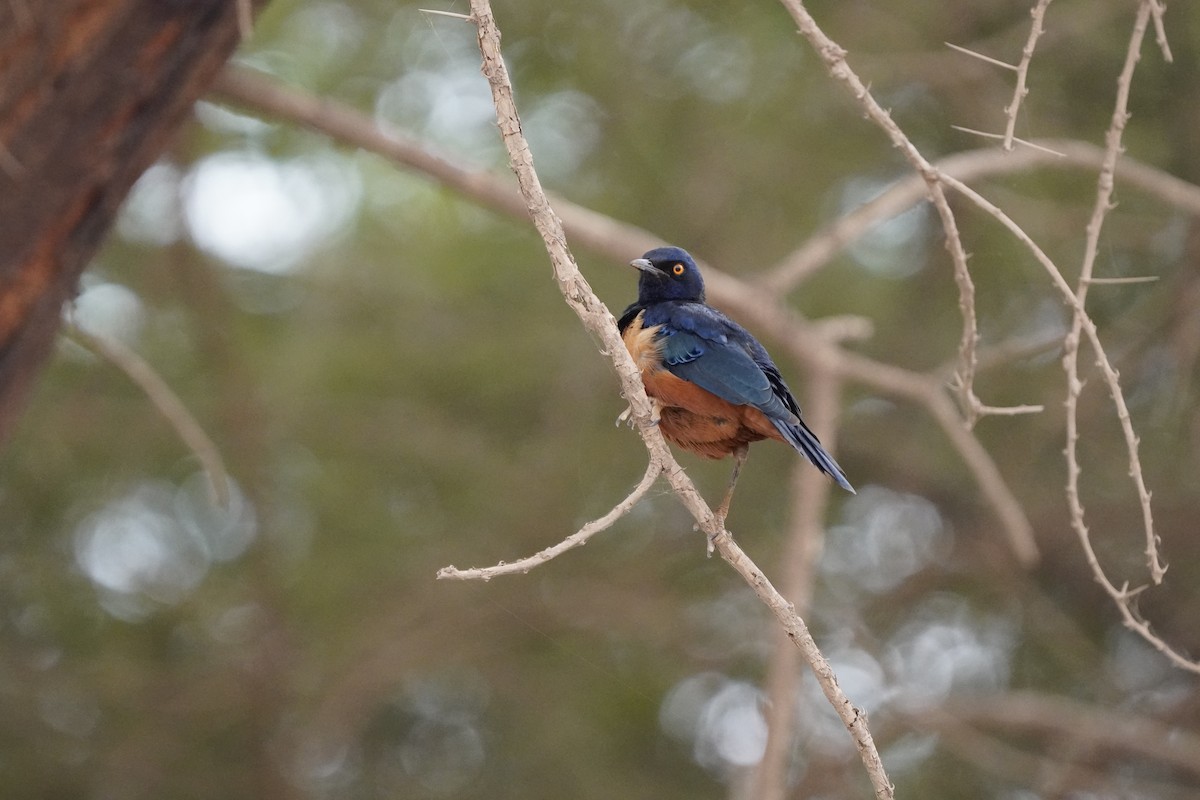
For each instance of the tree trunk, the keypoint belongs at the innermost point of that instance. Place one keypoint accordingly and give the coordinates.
(90, 94)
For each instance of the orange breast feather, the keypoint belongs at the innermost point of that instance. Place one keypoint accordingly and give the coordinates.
(689, 416)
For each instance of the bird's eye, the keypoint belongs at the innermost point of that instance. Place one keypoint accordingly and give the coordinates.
(678, 269)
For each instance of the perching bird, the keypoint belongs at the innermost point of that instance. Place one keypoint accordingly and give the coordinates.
(714, 387)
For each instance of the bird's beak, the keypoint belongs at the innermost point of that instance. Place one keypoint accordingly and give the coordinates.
(643, 264)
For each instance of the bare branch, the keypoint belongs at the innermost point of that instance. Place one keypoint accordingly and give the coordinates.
(1010, 111)
(577, 539)
(792, 332)
(995, 755)
(1096, 727)
(1157, 9)
(1104, 191)
(834, 57)
(164, 399)
(1117, 281)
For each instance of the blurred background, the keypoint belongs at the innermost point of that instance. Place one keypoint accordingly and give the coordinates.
(395, 385)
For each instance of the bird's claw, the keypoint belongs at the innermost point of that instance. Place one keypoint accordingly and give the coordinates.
(626, 416)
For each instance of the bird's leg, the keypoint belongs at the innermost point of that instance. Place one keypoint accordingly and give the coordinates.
(626, 416)
(739, 459)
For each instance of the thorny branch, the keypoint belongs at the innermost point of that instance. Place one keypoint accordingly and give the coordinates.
(834, 57)
(1122, 596)
(1035, 32)
(1038, 13)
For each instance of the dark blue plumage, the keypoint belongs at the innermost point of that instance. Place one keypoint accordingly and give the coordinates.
(671, 331)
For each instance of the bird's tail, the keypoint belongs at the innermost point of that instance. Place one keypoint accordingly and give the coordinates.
(804, 440)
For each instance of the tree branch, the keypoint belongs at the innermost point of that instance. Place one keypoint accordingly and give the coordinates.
(1010, 111)
(577, 539)
(1123, 597)
(164, 399)
(1104, 191)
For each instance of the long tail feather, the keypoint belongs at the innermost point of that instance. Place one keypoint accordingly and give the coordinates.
(804, 440)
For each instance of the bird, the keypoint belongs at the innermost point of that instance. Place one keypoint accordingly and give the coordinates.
(714, 388)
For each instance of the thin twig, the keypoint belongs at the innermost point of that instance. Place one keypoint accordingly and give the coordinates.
(786, 327)
(600, 322)
(1104, 191)
(1157, 9)
(1118, 281)
(1020, 91)
(834, 57)
(963, 382)
(577, 539)
(164, 399)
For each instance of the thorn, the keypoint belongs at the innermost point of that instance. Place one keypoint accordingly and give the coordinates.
(451, 14)
(1137, 279)
(982, 57)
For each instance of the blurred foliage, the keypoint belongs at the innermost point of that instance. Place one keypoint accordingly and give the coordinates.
(397, 386)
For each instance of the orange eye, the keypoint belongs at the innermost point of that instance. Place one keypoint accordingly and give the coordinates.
(677, 269)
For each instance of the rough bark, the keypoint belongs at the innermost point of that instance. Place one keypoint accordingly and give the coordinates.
(90, 93)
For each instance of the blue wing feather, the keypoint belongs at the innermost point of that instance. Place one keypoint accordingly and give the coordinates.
(703, 346)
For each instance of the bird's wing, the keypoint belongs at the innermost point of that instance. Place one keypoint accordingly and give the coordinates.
(703, 347)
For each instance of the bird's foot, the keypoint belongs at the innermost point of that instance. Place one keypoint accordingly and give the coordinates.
(626, 416)
(711, 538)
(711, 541)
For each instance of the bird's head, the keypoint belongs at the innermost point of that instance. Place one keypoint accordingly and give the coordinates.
(668, 273)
